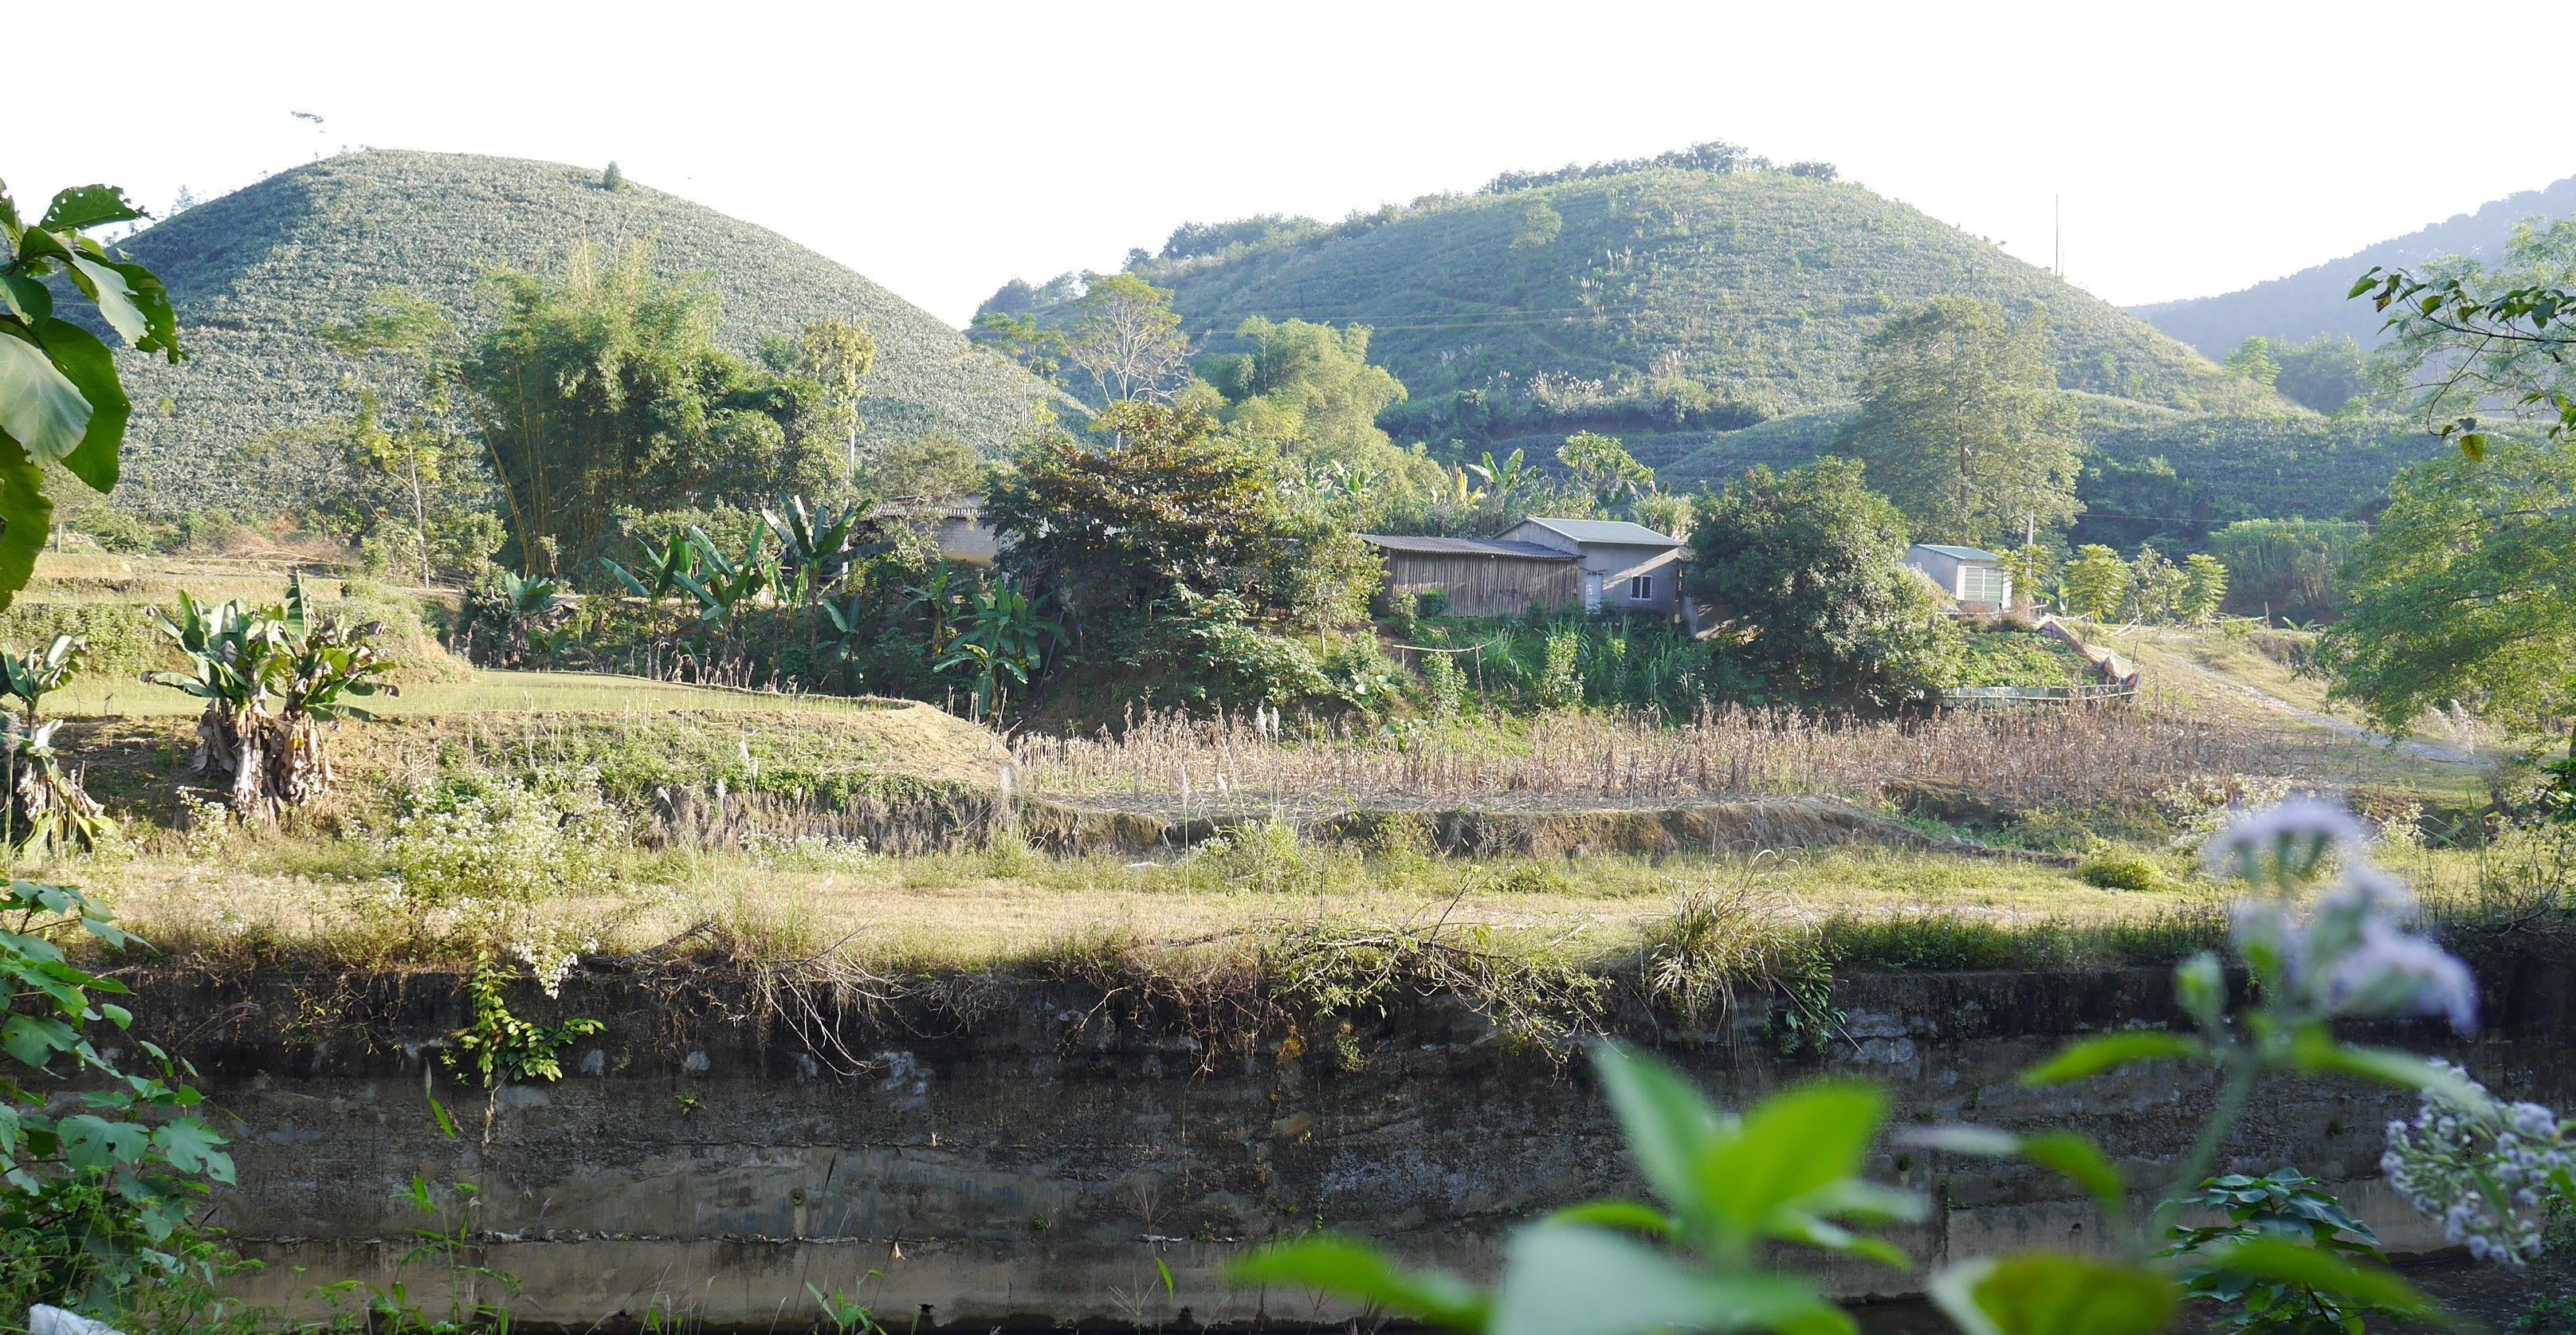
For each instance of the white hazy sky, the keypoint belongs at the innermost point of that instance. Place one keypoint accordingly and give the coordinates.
(942, 148)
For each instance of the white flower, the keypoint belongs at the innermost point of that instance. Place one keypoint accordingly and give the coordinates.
(2471, 1167)
(2286, 844)
(2390, 972)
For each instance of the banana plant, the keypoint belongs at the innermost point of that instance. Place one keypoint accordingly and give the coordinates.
(661, 568)
(725, 584)
(60, 400)
(48, 808)
(816, 547)
(1004, 643)
(1505, 480)
(937, 598)
(271, 678)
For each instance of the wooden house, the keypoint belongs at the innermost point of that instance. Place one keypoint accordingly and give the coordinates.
(1595, 564)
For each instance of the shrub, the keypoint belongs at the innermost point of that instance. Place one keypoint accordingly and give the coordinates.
(2119, 867)
(1431, 603)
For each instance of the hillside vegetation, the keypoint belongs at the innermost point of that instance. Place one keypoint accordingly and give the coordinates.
(1654, 300)
(2149, 475)
(255, 274)
(2314, 300)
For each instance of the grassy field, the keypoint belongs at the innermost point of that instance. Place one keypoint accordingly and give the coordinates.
(542, 814)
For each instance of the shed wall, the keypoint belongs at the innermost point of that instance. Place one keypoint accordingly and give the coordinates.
(1483, 586)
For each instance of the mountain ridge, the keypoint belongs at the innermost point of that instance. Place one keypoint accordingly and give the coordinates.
(256, 273)
(2299, 306)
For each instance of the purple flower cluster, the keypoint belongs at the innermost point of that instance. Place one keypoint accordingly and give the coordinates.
(2353, 952)
(2486, 1170)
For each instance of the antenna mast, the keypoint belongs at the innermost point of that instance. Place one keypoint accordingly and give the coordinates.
(2057, 224)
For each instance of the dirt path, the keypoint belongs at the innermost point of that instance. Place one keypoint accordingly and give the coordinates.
(2439, 755)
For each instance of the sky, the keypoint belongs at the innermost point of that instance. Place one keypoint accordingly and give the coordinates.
(941, 149)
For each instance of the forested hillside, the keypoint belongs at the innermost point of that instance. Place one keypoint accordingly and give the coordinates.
(2154, 475)
(2314, 300)
(1654, 302)
(255, 274)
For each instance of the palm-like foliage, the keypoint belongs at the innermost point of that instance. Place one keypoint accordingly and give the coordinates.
(1005, 642)
(47, 806)
(270, 677)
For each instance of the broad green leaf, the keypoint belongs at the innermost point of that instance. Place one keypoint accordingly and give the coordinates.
(34, 1039)
(2316, 1052)
(152, 300)
(1808, 1230)
(27, 299)
(85, 206)
(1565, 1280)
(2073, 1157)
(1856, 1200)
(1669, 1124)
(2064, 1153)
(1624, 1216)
(26, 517)
(95, 1142)
(40, 408)
(115, 300)
(2093, 1056)
(91, 368)
(1793, 1144)
(2285, 1262)
(192, 1147)
(1354, 1269)
(2040, 1293)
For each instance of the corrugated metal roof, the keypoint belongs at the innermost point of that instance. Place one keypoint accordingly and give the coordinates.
(1962, 553)
(1615, 532)
(1527, 551)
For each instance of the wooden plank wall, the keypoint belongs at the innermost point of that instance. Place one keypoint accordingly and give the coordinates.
(1483, 586)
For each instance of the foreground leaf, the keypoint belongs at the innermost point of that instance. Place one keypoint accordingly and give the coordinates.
(1566, 1280)
(1670, 1125)
(2039, 1293)
(1354, 1269)
(40, 408)
(2093, 1056)
(2284, 1262)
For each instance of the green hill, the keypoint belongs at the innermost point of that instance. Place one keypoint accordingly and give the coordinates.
(2316, 300)
(256, 272)
(1658, 302)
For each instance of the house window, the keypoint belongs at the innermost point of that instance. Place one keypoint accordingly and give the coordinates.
(1983, 584)
(1641, 588)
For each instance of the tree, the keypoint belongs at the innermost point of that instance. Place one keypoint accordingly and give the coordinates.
(2096, 582)
(1127, 338)
(603, 386)
(2253, 360)
(2326, 373)
(837, 355)
(2155, 587)
(1603, 467)
(2286, 567)
(2204, 588)
(1173, 506)
(1962, 426)
(1807, 570)
(429, 461)
(2029, 567)
(2466, 338)
(931, 468)
(60, 401)
(1306, 390)
(2466, 591)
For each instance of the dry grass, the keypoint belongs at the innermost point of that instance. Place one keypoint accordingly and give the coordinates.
(991, 910)
(2014, 759)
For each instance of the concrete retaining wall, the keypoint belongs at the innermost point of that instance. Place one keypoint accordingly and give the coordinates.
(1018, 1153)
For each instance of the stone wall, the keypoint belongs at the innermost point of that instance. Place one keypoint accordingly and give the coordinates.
(1016, 1153)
